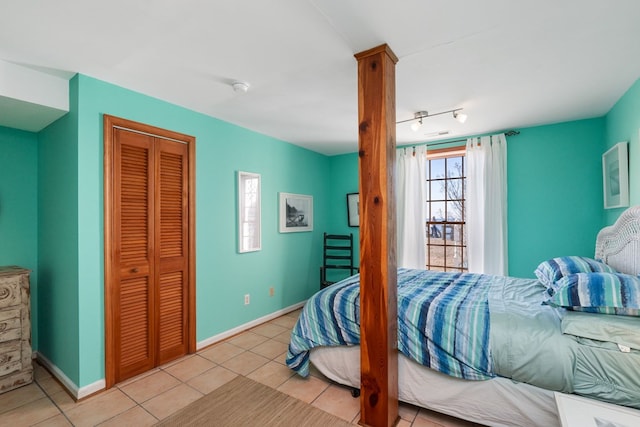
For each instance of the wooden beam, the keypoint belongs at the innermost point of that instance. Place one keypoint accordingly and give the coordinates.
(378, 265)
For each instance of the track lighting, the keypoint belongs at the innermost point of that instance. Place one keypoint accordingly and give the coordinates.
(418, 116)
(461, 117)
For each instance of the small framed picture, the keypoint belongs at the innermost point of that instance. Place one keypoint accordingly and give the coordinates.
(353, 209)
(615, 176)
(296, 213)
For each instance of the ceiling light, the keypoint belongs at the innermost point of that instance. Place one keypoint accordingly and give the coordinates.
(418, 116)
(461, 117)
(240, 87)
(417, 125)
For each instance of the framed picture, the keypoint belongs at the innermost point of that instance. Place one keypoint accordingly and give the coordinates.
(615, 176)
(353, 209)
(296, 213)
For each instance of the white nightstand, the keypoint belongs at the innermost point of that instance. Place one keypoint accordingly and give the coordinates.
(576, 411)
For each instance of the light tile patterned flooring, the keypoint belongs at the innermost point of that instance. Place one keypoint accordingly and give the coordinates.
(258, 354)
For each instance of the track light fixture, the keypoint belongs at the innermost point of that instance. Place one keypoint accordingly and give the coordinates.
(418, 116)
(461, 117)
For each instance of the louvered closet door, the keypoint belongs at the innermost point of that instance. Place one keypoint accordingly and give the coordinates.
(151, 252)
(171, 244)
(134, 289)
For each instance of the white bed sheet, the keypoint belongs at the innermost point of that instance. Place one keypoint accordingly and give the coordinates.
(495, 402)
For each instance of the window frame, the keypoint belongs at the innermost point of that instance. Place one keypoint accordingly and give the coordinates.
(448, 244)
(249, 243)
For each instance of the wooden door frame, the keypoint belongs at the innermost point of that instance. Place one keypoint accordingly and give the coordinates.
(109, 123)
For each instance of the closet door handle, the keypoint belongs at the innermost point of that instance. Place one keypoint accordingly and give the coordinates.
(134, 270)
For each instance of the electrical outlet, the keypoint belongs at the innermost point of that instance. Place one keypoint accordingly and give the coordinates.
(272, 291)
(247, 299)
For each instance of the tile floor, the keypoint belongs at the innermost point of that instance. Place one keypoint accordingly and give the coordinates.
(258, 354)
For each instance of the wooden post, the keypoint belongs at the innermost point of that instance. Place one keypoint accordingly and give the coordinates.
(378, 265)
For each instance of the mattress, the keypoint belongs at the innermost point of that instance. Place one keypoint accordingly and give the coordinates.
(488, 402)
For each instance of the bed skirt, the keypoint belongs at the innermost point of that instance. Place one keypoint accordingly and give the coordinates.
(495, 402)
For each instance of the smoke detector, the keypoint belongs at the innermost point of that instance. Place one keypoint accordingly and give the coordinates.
(240, 87)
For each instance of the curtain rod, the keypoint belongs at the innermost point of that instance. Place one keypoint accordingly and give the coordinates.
(507, 133)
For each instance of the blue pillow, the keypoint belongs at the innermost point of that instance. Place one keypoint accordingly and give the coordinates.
(552, 270)
(607, 293)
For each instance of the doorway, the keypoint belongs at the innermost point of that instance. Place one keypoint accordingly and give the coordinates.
(149, 225)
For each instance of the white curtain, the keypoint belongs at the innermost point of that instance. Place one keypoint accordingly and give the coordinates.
(486, 200)
(411, 198)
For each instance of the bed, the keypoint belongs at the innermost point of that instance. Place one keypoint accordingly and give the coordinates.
(492, 349)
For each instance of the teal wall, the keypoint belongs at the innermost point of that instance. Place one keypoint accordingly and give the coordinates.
(72, 160)
(343, 179)
(59, 320)
(623, 124)
(19, 207)
(554, 192)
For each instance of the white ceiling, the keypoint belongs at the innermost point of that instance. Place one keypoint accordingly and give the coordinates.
(509, 64)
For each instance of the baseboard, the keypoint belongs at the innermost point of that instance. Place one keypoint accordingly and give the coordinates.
(82, 392)
(72, 388)
(231, 332)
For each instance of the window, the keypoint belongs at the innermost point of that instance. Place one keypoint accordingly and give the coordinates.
(249, 212)
(446, 225)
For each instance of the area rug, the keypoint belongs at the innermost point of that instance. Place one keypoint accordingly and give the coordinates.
(244, 402)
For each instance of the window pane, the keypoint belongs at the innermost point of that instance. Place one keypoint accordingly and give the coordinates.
(437, 210)
(437, 168)
(458, 236)
(435, 254)
(437, 190)
(454, 256)
(454, 189)
(434, 230)
(454, 211)
(454, 167)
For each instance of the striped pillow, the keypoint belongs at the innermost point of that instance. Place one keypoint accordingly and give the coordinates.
(599, 293)
(550, 271)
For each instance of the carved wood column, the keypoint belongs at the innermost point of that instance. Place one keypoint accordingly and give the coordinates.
(378, 271)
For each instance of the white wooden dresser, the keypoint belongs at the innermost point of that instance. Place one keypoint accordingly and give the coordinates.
(16, 368)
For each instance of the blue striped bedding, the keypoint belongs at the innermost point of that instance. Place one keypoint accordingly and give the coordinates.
(476, 327)
(443, 322)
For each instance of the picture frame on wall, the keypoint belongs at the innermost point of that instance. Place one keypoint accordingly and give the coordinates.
(353, 209)
(615, 176)
(296, 213)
